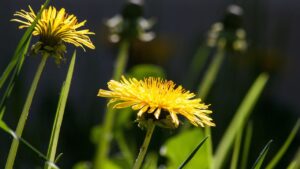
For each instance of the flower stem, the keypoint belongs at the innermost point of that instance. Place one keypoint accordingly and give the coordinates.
(15, 144)
(104, 141)
(205, 86)
(59, 114)
(212, 72)
(121, 60)
(139, 160)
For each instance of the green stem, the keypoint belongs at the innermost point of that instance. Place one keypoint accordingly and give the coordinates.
(247, 143)
(212, 71)
(209, 147)
(14, 147)
(60, 114)
(104, 142)
(236, 150)
(121, 60)
(204, 88)
(197, 64)
(125, 149)
(143, 149)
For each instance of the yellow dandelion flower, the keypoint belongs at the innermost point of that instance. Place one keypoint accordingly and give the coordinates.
(55, 27)
(157, 99)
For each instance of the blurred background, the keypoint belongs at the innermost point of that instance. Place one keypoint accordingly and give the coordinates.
(272, 28)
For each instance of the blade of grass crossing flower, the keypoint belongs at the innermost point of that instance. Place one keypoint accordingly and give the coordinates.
(247, 142)
(285, 146)
(192, 154)
(25, 38)
(15, 74)
(236, 150)
(261, 157)
(239, 119)
(60, 114)
(104, 143)
(24, 114)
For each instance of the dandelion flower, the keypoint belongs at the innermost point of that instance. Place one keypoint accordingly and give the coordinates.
(159, 100)
(53, 28)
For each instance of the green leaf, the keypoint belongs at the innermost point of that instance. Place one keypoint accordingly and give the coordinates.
(146, 70)
(60, 112)
(83, 165)
(246, 147)
(179, 147)
(239, 119)
(262, 156)
(285, 146)
(192, 154)
(25, 112)
(15, 74)
(295, 163)
(236, 150)
(150, 161)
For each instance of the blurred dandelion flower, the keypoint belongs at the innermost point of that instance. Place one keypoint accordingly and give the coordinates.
(130, 24)
(53, 28)
(159, 100)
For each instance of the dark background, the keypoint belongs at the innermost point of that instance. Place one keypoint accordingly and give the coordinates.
(273, 35)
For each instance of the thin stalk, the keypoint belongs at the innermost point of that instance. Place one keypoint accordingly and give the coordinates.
(15, 144)
(236, 150)
(212, 71)
(209, 147)
(139, 160)
(60, 114)
(247, 142)
(285, 146)
(205, 86)
(125, 149)
(197, 64)
(104, 142)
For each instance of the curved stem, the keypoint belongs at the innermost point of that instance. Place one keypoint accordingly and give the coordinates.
(22, 121)
(104, 141)
(139, 160)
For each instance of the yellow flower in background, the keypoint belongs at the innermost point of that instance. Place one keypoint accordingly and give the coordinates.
(55, 27)
(159, 100)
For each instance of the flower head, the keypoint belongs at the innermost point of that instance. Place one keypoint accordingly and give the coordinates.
(53, 28)
(130, 24)
(159, 100)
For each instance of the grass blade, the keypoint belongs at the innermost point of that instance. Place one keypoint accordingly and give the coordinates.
(22, 121)
(193, 153)
(60, 113)
(247, 142)
(15, 74)
(285, 146)
(295, 163)
(236, 150)
(25, 38)
(239, 119)
(9, 131)
(262, 156)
